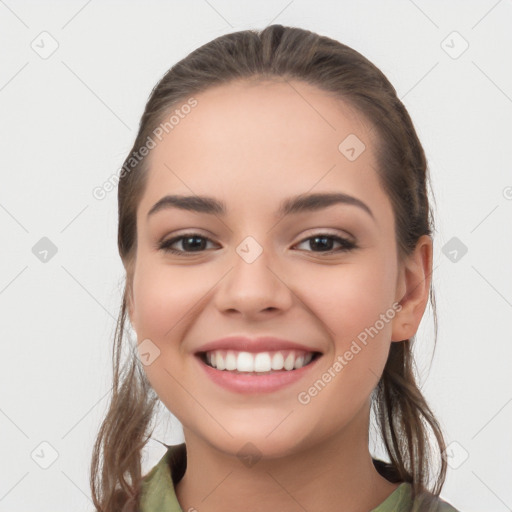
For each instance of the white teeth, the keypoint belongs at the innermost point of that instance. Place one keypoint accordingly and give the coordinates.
(230, 360)
(220, 362)
(245, 362)
(277, 361)
(260, 362)
(289, 361)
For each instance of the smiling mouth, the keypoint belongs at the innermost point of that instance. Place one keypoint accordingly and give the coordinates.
(257, 363)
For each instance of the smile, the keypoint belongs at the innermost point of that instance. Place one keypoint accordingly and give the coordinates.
(257, 362)
(256, 372)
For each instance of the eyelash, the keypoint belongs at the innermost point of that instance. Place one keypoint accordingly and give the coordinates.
(347, 245)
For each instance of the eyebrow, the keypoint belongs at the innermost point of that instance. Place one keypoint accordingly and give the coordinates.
(290, 206)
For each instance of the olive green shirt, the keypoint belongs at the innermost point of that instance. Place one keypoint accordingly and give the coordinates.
(157, 491)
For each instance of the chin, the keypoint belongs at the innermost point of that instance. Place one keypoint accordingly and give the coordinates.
(254, 442)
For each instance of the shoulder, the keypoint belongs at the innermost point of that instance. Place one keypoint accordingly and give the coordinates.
(401, 500)
(431, 503)
(444, 506)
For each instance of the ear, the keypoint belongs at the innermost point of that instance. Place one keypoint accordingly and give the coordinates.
(413, 287)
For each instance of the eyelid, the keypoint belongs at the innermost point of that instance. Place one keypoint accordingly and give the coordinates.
(185, 232)
(176, 237)
(330, 232)
(347, 243)
(308, 234)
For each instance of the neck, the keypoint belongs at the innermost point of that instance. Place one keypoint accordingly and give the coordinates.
(335, 474)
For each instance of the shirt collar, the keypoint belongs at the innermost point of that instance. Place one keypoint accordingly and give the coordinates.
(157, 490)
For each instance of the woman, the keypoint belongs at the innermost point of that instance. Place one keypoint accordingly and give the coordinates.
(275, 229)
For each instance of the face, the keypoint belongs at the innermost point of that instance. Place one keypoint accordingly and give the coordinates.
(324, 278)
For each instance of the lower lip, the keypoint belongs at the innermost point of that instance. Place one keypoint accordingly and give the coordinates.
(265, 383)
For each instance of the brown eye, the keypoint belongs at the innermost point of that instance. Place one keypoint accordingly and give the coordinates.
(190, 242)
(325, 241)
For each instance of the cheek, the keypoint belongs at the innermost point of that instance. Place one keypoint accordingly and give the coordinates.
(354, 297)
(356, 306)
(163, 298)
(355, 303)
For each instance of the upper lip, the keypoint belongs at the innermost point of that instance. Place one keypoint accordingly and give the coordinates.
(260, 344)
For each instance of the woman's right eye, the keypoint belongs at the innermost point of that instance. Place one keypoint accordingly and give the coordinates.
(194, 241)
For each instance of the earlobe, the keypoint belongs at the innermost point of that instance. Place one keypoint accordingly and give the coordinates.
(413, 288)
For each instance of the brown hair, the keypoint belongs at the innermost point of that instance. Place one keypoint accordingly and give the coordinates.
(279, 52)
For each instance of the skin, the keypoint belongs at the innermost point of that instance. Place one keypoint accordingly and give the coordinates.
(253, 145)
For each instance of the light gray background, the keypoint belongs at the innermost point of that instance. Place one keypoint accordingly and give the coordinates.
(68, 121)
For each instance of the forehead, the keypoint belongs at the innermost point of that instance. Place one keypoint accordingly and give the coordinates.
(254, 143)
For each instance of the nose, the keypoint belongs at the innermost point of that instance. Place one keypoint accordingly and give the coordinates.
(255, 288)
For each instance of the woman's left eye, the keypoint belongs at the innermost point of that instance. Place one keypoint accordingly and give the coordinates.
(322, 240)
(197, 243)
